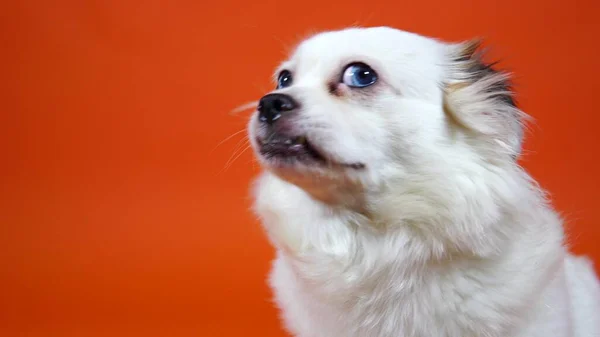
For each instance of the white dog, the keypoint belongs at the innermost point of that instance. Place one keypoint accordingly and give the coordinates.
(394, 199)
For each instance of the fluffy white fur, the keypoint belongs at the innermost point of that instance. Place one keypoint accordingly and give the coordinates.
(441, 233)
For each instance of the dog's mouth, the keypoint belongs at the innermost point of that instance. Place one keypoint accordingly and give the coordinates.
(279, 147)
(281, 150)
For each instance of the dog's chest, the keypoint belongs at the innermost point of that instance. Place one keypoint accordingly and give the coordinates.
(381, 306)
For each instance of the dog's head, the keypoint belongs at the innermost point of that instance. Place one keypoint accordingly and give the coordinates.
(361, 108)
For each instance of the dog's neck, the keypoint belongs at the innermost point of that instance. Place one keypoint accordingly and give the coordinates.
(353, 265)
(440, 231)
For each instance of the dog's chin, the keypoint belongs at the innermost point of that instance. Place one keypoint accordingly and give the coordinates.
(308, 166)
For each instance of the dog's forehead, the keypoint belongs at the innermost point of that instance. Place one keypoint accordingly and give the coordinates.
(411, 63)
(379, 42)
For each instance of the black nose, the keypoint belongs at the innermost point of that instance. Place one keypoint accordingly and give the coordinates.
(272, 106)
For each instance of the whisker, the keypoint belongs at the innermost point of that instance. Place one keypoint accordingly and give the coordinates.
(238, 146)
(226, 139)
(238, 156)
(244, 107)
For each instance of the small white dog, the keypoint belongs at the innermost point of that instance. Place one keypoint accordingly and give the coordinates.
(393, 196)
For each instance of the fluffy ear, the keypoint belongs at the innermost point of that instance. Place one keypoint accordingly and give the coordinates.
(480, 99)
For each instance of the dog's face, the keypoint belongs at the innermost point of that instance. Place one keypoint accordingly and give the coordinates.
(359, 107)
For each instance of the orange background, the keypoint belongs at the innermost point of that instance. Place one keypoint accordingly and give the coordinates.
(120, 215)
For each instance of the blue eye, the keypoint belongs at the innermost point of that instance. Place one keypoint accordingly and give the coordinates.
(359, 75)
(284, 80)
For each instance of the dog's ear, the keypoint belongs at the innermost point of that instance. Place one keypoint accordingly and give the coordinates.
(480, 98)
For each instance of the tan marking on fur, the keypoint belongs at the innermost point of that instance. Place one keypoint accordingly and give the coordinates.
(449, 107)
(453, 87)
(468, 48)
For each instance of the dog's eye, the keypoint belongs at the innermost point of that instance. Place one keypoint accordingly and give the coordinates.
(359, 75)
(284, 80)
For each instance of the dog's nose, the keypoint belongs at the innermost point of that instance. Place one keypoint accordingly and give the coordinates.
(272, 106)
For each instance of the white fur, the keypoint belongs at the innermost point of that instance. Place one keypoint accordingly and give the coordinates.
(441, 234)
